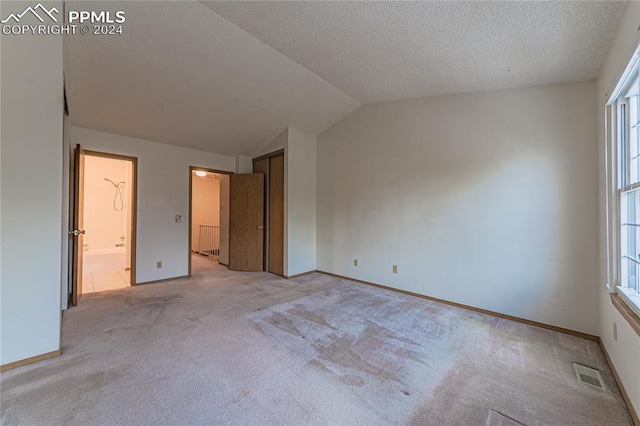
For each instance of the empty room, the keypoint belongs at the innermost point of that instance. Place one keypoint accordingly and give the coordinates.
(320, 213)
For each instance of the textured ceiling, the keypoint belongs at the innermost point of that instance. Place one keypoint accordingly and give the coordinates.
(227, 77)
(180, 74)
(381, 51)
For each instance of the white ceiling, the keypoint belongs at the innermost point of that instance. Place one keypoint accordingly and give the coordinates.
(227, 77)
(182, 75)
(382, 51)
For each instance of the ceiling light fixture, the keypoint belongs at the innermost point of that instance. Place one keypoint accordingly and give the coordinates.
(201, 173)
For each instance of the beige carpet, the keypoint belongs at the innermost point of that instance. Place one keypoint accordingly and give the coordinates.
(252, 349)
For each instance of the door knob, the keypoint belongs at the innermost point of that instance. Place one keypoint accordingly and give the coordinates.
(260, 227)
(76, 232)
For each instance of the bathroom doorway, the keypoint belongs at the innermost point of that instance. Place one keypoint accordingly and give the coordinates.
(108, 213)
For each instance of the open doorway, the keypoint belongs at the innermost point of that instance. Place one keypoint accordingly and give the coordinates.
(108, 221)
(102, 222)
(208, 219)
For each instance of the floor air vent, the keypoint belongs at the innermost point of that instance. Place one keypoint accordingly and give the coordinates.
(589, 376)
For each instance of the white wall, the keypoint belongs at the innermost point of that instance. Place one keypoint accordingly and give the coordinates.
(301, 203)
(483, 199)
(276, 144)
(243, 164)
(163, 193)
(205, 209)
(625, 352)
(32, 110)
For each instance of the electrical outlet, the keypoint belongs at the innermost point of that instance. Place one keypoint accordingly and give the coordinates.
(355, 262)
(178, 218)
(395, 269)
(159, 264)
(615, 331)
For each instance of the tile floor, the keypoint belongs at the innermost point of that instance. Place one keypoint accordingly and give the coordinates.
(103, 281)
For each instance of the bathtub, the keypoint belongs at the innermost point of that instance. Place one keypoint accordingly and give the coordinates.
(104, 260)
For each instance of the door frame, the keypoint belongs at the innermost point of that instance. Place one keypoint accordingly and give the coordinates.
(134, 204)
(191, 170)
(76, 212)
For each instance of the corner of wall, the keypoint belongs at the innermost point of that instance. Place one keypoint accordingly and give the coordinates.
(279, 142)
(243, 164)
(301, 200)
(32, 86)
(65, 264)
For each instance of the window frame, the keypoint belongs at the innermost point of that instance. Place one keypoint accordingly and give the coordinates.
(617, 168)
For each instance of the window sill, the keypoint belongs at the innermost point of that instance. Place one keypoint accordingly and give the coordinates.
(625, 310)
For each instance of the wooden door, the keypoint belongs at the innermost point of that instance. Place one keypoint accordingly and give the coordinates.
(262, 166)
(276, 215)
(76, 234)
(224, 220)
(246, 222)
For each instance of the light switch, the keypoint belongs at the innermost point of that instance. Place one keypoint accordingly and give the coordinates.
(178, 218)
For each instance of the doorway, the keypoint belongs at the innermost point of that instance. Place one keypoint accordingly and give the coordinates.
(103, 219)
(107, 211)
(238, 241)
(208, 218)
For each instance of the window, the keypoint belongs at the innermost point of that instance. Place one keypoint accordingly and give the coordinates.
(627, 118)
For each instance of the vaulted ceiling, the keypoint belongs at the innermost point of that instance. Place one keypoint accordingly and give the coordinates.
(227, 77)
